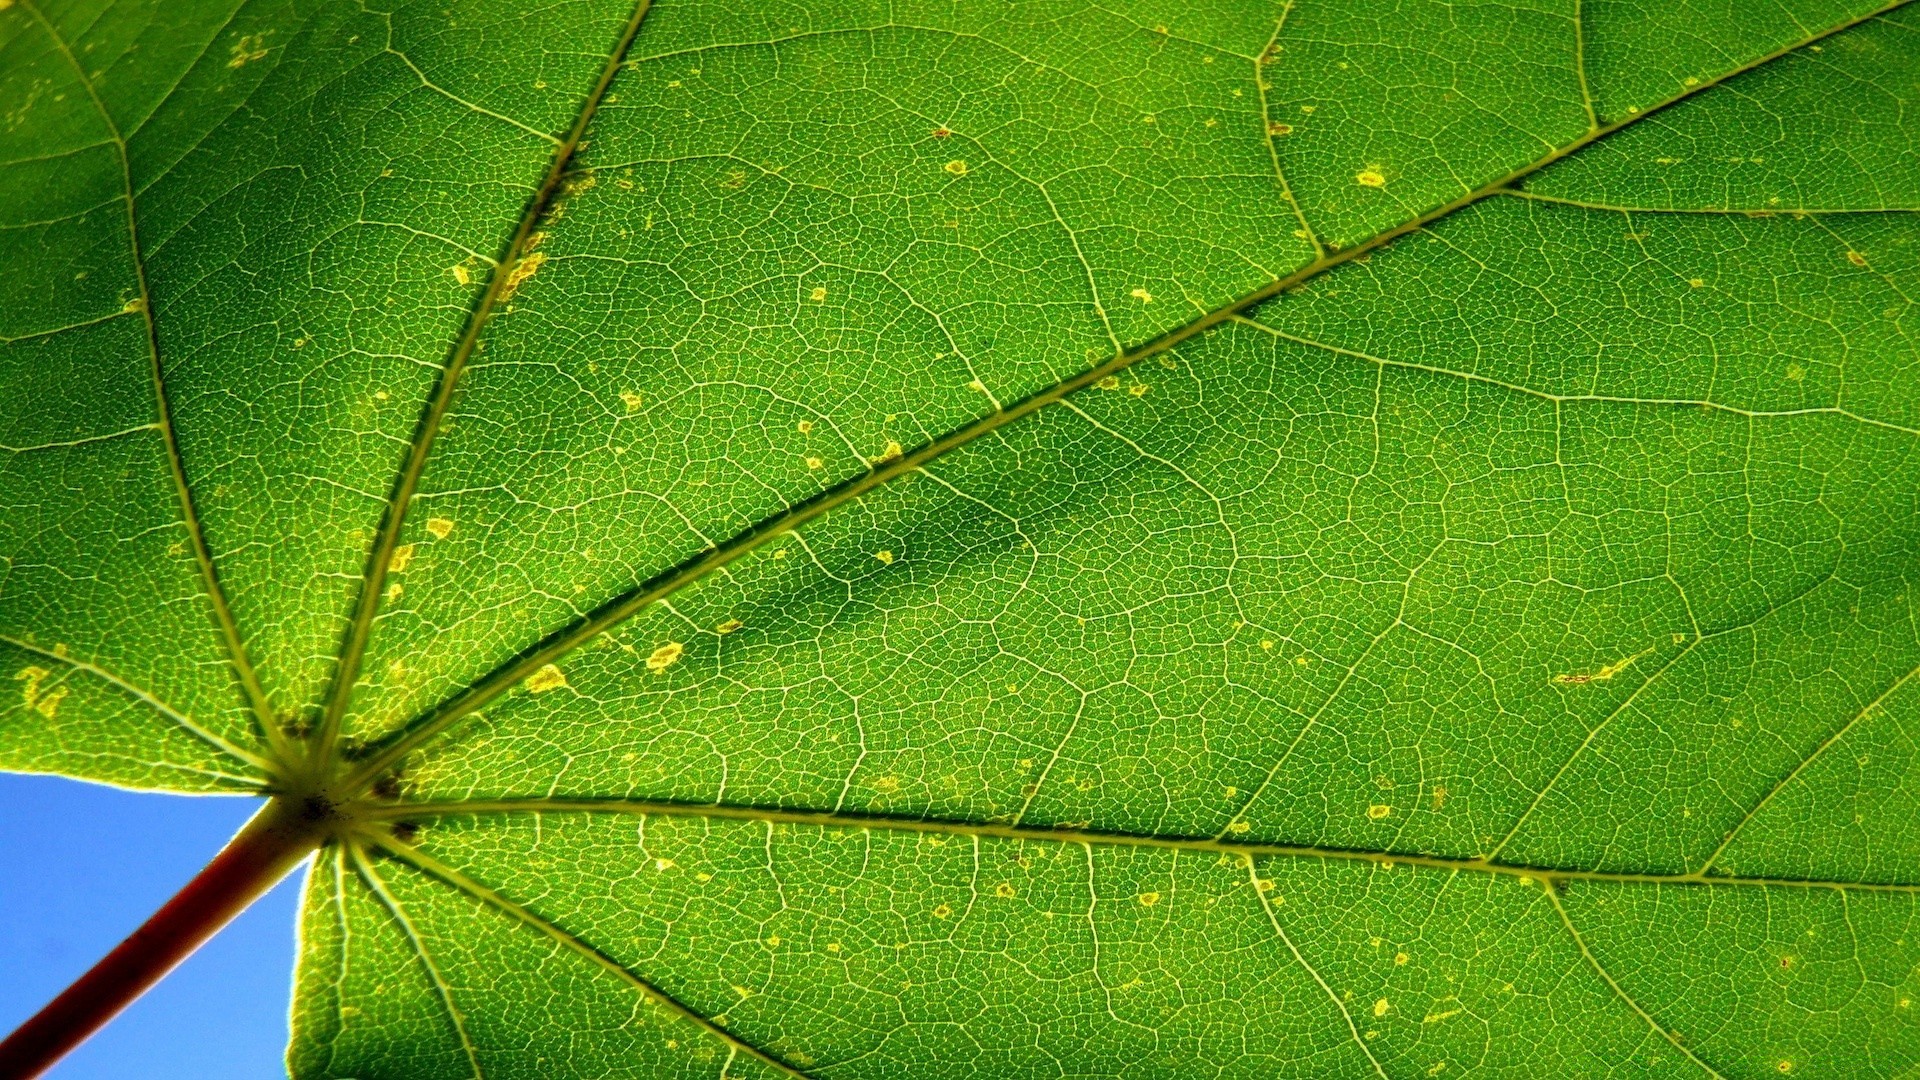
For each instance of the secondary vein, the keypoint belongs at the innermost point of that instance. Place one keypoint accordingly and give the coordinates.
(378, 886)
(1620, 992)
(447, 875)
(244, 674)
(146, 697)
(407, 484)
(413, 811)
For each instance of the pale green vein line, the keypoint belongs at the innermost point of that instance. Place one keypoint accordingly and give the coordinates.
(1592, 734)
(499, 287)
(1619, 992)
(56, 155)
(1583, 399)
(443, 91)
(433, 867)
(42, 223)
(1260, 888)
(1580, 65)
(67, 444)
(1237, 820)
(1757, 214)
(345, 929)
(1794, 774)
(244, 674)
(82, 325)
(440, 987)
(624, 605)
(182, 720)
(1267, 58)
(1044, 834)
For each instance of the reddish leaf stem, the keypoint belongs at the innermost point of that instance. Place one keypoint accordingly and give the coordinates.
(277, 839)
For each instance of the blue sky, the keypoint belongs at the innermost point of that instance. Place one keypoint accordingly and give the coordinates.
(80, 866)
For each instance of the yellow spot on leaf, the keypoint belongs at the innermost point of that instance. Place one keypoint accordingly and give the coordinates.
(729, 626)
(1004, 891)
(1142, 295)
(887, 783)
(1138, 389)
(49, 703)
(632, 400)
(888, 453)
(462, 275)
(665, 657)
(815, 463)
(1148, 899)
(402, 557)
(1378, 811)
(1111, 382)
(1604, 673)
(1279, 129)
(547, 678)
(884, 556)
(819, 292)
(957, 168)
(245, 51)
(1696, 282)
(522, 272)
(1856, 258)
(1238, 827)
(33, 676)
(441, 528)
(1369, 178)
(1400, 959)
(942, 912)
(1380, 1007)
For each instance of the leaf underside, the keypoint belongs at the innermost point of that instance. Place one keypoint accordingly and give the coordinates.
(977, 539)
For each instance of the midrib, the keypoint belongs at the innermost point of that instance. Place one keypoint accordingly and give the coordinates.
(1237, 849)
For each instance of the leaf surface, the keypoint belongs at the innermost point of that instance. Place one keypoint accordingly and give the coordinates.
(1322, 540)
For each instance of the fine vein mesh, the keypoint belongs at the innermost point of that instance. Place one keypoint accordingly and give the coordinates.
(1564, 532)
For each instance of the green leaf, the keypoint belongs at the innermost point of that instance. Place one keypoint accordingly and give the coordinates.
(996, 539)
